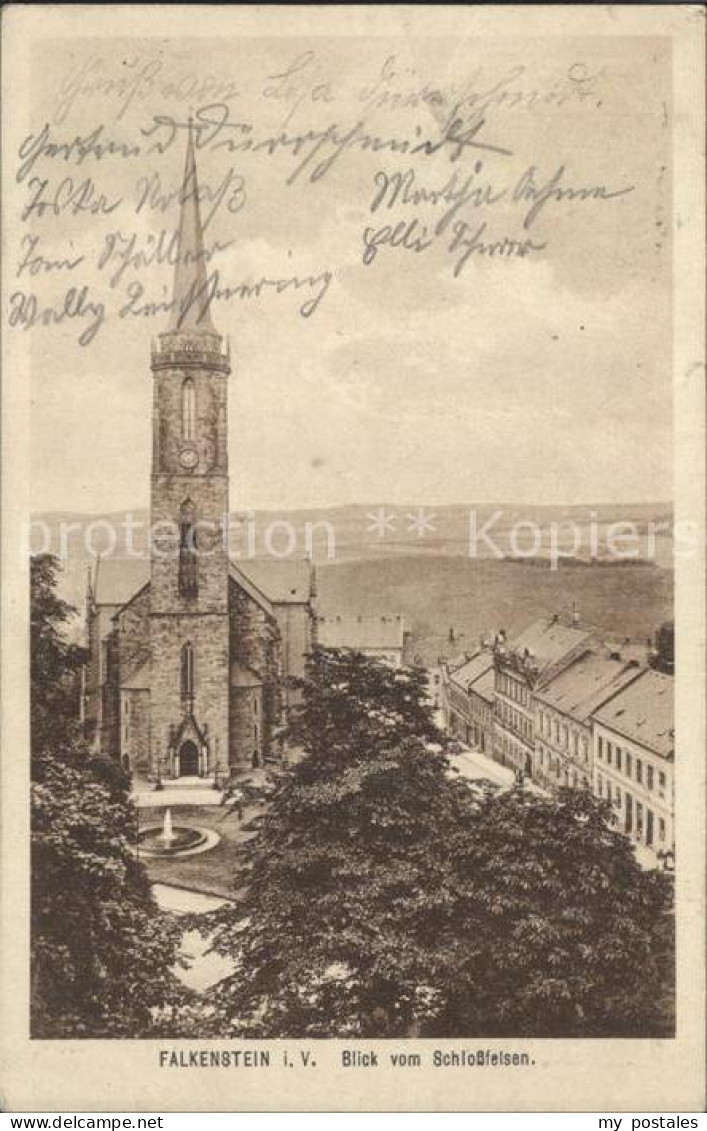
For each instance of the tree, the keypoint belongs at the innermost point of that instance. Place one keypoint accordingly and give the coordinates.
(561, 931)
(384, 897)
(101, 949)
(663, 655)
(55, 663)
(335, 933)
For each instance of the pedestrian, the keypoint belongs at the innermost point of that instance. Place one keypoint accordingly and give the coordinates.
(237, 799)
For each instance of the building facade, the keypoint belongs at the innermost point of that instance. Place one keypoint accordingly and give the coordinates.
(380, 638)
(634, 760)
(523, 667)
(563, 710)
(468, 687)
(186, 674)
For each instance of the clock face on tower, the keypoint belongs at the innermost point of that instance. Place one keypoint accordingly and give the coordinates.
(188, 458)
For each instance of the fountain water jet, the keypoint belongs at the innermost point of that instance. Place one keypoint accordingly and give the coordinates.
(167, 837)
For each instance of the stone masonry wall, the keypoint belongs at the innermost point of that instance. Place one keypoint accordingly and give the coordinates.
(208, 635)
(255, 643)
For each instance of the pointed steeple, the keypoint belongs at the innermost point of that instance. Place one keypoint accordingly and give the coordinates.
(191, 311)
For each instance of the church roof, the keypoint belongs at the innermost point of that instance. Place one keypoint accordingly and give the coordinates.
(285, 581)
(269, 582)
(118, 580)
(241, 579)
(191, 311)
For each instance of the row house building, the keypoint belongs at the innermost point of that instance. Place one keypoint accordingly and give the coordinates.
(469, 699)
(523, 667)
(563, 711)
(568, 710)
(634, 760)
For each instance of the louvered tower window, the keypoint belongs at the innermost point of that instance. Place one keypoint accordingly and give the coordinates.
(188, 583)
(188, 409)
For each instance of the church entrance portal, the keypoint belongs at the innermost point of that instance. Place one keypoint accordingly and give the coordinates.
(188, 760)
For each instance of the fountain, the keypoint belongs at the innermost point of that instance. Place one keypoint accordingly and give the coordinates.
(175, 840)
(167, 834)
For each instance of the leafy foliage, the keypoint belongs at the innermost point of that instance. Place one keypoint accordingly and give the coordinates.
(384, 896)
(55, 663)
(558, 924)
(101, 949)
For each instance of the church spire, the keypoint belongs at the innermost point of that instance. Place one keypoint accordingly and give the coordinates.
(191, 310)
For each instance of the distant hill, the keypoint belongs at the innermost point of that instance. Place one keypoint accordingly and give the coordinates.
(473, 597)
(431, 580)
(352, 531)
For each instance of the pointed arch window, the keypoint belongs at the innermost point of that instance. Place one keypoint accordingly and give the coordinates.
(188, 409)
(187, 672)
(188, 584)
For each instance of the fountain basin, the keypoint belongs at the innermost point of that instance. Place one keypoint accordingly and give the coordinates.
(182, 838)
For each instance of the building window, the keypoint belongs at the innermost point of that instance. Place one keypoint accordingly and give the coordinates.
(618, 757)
(629, 762)
(600, 747)
(661, 780)
(661, 828)
(255, 705)
(585, 749)
(629, 813)
(609, 753)
(187, 671)
(188, 585)
(649, 777)
(575, 738)
(188, 409)
(639, 771)
(127, 707)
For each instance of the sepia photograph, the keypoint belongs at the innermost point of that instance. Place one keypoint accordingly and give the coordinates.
(351, 455)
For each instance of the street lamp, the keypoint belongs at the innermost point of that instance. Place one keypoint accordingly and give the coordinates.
(158, 779)
(217, 770)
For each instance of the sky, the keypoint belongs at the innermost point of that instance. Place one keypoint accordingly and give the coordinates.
(532, 379)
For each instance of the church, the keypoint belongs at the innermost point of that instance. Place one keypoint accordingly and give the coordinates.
(190, 655)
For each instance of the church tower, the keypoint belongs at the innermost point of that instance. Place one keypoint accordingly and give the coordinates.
(189, 624)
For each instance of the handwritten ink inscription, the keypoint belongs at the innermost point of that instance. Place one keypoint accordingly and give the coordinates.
(439, 179)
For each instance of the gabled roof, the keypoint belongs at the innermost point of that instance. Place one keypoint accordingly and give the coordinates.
(644, 712)
(581, 688)
(284, 581)
(244, 582)
(269, 582)
(485, 685)
(117, 580)
(360, 633)
(548, 641)
(470, 669)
